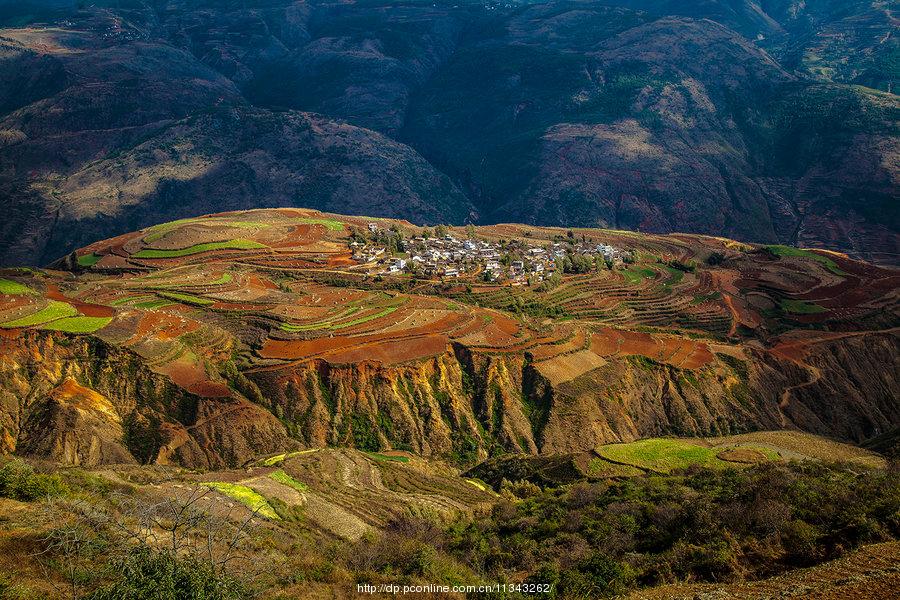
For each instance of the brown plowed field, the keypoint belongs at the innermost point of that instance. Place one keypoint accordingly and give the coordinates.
(682, 353)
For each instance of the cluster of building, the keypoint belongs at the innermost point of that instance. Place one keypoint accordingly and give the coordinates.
(511, 262)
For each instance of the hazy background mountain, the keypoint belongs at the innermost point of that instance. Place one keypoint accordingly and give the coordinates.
(765, 121)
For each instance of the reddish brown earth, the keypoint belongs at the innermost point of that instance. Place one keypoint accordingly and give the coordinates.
(244, 346)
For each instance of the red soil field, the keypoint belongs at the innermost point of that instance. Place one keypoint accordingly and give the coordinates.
(85, 308)
(393, 352)
(303, 349)
(682, 353)
(193, 378)
(11, 302)
(163, 326)
(262, 283)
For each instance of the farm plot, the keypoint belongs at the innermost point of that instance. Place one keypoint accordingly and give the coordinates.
(10, 287)
(352, 488)
(663, 455)
(246, 496)
(678, 352)
(77, 324)
(237, 244)
(51, 311)
(567, 367)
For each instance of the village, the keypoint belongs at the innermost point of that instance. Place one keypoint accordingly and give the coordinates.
(439, 253)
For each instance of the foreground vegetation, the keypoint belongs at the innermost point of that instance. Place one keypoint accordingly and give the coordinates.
(589, 540)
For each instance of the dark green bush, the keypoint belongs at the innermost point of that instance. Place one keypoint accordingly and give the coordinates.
(596, 540)
(143, 574)
(19, 482)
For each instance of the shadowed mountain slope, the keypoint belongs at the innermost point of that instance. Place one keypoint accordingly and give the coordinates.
(764, 121)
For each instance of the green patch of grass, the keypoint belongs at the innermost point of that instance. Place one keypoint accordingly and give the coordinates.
(331, 224)
(790, 251)
(88, 260)
(634, 275)
(54, 310)
(387, 458)
(78, 324)
(129, 300)
(225, 278)
(701, 298)
(14, 288)
(675, 275)
(799, 307)
(280, 458)
(187, 298)
(285, 479)
(19, 482)
(249, 498)
(662, 455)
(479, 484)
(237, 244)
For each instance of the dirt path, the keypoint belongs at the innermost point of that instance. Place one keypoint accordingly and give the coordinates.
(735, 316)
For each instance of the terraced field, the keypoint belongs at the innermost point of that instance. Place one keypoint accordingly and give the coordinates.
(663, 455)
(267, 309)
(345, 493)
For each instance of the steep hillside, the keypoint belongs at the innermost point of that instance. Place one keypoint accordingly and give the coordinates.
(769, 122)
(252, 332)
(106, 128)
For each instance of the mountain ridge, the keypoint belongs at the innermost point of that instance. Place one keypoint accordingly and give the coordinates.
(484, 114)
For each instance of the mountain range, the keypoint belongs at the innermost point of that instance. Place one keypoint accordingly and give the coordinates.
(766, 121)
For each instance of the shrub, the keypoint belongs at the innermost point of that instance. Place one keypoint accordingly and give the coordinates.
(143, 574)
(19, 482)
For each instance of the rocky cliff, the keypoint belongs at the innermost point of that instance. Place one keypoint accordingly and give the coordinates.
(78, 401)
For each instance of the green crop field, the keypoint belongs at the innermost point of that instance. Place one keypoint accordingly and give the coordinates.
(88, 260)
(129, 300)
(283, 478)
(634, 275)
(14, 288)
(829, 264)
(157, 232)
(280, 458)
(54, 310)
(800, 307)
(675, 276)
(249, 498)
(324, 324)
(330, 324)
(238, 244)
(366, 318)
(78, 324)
(387, 458)
(331, 224)
(664, 455)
